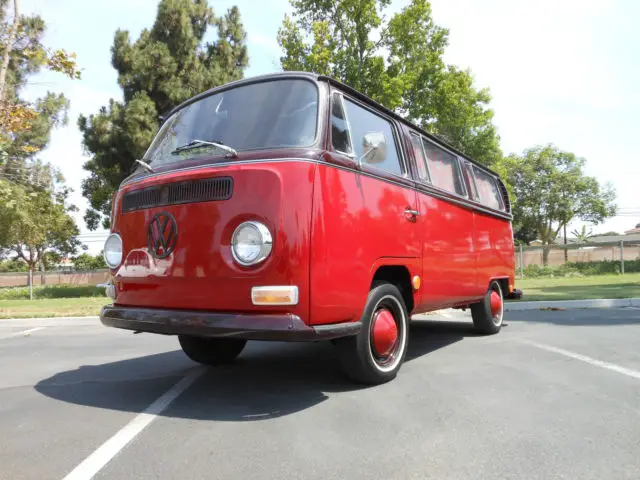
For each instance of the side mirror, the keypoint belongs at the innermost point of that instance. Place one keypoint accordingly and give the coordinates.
(374, 146)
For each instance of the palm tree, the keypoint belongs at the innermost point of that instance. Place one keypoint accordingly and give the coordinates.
(583, 235)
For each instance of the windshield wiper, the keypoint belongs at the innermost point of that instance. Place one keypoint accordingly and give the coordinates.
(146, 166)
(202, 143)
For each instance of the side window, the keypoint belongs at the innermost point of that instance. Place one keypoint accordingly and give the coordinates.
(488, 189)
(418, 152)
(373, 139)
(339, 127)
(443, 168)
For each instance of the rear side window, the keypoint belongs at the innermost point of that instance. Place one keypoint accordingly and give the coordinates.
(372, 135)
(443, 168)
(418, 152)
(488, 189)
(339, 127)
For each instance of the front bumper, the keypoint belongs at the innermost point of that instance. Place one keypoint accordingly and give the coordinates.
(283, 327)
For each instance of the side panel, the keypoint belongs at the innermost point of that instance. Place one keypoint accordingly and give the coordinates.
(449, 262)
(358, 223)
(201, 274)
(495, 250)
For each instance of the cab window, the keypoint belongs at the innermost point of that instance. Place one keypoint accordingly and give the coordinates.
(373, 140)
(443, 168)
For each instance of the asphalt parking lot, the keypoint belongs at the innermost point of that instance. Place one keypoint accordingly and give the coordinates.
(555, 395)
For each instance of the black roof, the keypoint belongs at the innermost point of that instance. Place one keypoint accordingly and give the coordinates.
(342, 86)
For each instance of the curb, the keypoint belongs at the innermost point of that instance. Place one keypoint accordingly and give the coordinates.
(572, 304)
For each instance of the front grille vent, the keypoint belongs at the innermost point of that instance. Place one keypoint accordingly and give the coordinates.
(192, 191)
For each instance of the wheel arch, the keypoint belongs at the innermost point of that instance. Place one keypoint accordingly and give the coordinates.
(398, 275)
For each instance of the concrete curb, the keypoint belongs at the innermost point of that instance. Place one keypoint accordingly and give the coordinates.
(518, 306)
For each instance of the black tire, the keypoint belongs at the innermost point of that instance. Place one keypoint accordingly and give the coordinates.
(484, 319)
(360, 361)
(211, 351)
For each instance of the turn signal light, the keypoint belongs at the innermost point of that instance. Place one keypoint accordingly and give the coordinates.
(278, 295)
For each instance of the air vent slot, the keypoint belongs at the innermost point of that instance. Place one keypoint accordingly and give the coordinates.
(192, 191)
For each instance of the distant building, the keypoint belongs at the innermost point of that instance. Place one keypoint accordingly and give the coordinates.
(633, 230)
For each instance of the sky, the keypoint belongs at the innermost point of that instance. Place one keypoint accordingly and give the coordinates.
(562, 72)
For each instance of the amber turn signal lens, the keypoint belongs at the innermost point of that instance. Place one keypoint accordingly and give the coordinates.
(416, 282)
(277, 295)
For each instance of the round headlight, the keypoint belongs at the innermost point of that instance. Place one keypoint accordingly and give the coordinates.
(113, 250)
(251, 243)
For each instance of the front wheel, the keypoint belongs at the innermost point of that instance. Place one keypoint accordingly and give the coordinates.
(487, 315)
(211, 351)
(376, 354)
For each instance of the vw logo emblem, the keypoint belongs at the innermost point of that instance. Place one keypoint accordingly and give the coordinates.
(162, 235)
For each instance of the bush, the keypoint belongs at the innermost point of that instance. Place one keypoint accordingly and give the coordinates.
(577, 269)
(51, 291)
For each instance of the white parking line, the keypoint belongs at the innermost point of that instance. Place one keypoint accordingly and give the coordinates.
(22, 333)
(109, 449)
(583, 358)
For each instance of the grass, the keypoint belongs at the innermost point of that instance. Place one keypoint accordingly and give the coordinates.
(580, 288)
(14, 304)
(51, 291)
(52, 307)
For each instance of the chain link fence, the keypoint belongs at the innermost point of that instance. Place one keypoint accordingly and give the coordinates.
(77, 277)
(588, 258)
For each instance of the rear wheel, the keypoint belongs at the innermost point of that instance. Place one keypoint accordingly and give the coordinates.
(376, 354)
(487, 315)
(211, 351)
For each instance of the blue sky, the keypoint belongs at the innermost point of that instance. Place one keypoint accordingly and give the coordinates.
(562, 72)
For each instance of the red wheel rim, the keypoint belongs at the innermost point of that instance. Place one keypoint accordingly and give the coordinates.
(385, 333)
(496, 304)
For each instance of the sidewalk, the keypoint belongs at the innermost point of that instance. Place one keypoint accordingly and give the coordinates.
(519, 305)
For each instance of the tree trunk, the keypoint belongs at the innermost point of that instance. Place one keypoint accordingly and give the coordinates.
(9, 47)
(545, 255)
(30, 282)
(43, 279)
(566, 252)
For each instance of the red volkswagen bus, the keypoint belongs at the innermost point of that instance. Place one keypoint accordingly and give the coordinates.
(292, 207)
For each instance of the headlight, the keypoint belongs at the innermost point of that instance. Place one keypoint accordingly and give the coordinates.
(251, 243)
(113, 250)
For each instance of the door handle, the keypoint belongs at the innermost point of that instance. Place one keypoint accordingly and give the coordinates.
(411, 214)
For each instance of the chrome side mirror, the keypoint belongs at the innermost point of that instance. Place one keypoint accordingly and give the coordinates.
(374, 146)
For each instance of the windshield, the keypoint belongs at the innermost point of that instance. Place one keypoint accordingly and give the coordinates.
(273, 114)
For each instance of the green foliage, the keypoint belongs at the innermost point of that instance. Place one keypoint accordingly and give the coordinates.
(51, 291)
(576, 269)
(397, 62)
(85, 261)
(25, 127)
(36, 221)
(8, 266)
(166, 65)
(550, 189)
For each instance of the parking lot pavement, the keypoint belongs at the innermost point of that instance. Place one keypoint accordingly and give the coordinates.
(554, 395)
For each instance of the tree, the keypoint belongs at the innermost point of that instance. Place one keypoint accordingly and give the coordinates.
(607, 234)
(24, 126)
(37, 222)
(397, 62)
(583, 235)
(166, 65)
(85, 261)
(551, 189)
